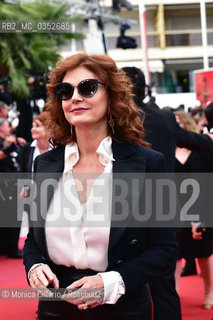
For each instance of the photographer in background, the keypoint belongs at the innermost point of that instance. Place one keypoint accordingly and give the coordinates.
(12, 151)
(10, 164)
(4, 115)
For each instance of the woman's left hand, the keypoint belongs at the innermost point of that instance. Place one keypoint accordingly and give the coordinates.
(88, 292)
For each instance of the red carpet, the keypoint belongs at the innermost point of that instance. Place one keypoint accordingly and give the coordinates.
(191, 294)
(13, 276)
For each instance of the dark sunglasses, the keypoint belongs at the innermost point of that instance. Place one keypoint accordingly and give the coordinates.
(86, 88)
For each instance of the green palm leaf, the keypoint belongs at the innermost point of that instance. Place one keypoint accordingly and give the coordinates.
(21, 53)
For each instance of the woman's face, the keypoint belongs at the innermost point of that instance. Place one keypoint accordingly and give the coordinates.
(80, 111)
(38, 130)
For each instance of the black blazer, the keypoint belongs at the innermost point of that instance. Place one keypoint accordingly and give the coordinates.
(138, 254)
(164, 134)
(27, 158)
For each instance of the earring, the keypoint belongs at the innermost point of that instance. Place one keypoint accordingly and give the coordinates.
(111, 121)
(71, 130)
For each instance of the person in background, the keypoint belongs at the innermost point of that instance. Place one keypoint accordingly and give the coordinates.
(13, 158)
(198, 116)
(95, 129)
(163, 133)
(161, 125)
(31, 150)
(208, 114)
(5, 124)
(40, 143)
(9, 166)
(194, 243)
(4, 130)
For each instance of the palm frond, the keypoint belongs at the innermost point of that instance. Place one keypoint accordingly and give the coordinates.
(20, 53)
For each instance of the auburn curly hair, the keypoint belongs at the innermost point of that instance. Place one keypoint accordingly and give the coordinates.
(127, 122)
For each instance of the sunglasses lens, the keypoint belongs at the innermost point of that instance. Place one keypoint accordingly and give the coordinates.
(87, 88)
(64, 91)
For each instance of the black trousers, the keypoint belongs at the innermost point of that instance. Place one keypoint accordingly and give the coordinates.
(9, 226)
(136, 307)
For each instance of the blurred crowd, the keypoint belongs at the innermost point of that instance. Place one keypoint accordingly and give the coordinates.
(16, 155)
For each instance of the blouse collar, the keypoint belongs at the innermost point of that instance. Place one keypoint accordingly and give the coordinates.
(104, 151)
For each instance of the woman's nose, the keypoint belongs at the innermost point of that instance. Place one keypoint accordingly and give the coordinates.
(76, 95)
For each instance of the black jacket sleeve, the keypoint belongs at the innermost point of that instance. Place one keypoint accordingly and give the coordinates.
(193, 141)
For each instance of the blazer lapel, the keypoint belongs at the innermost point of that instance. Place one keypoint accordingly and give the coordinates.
(30, 159)
(50, 168)
(126, 164)
(53, 163)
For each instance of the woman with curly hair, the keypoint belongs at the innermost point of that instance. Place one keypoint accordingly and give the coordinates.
(96, 131)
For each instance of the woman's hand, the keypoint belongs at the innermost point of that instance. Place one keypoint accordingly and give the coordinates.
(88, 292)
(197, 235)
(41, 276)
